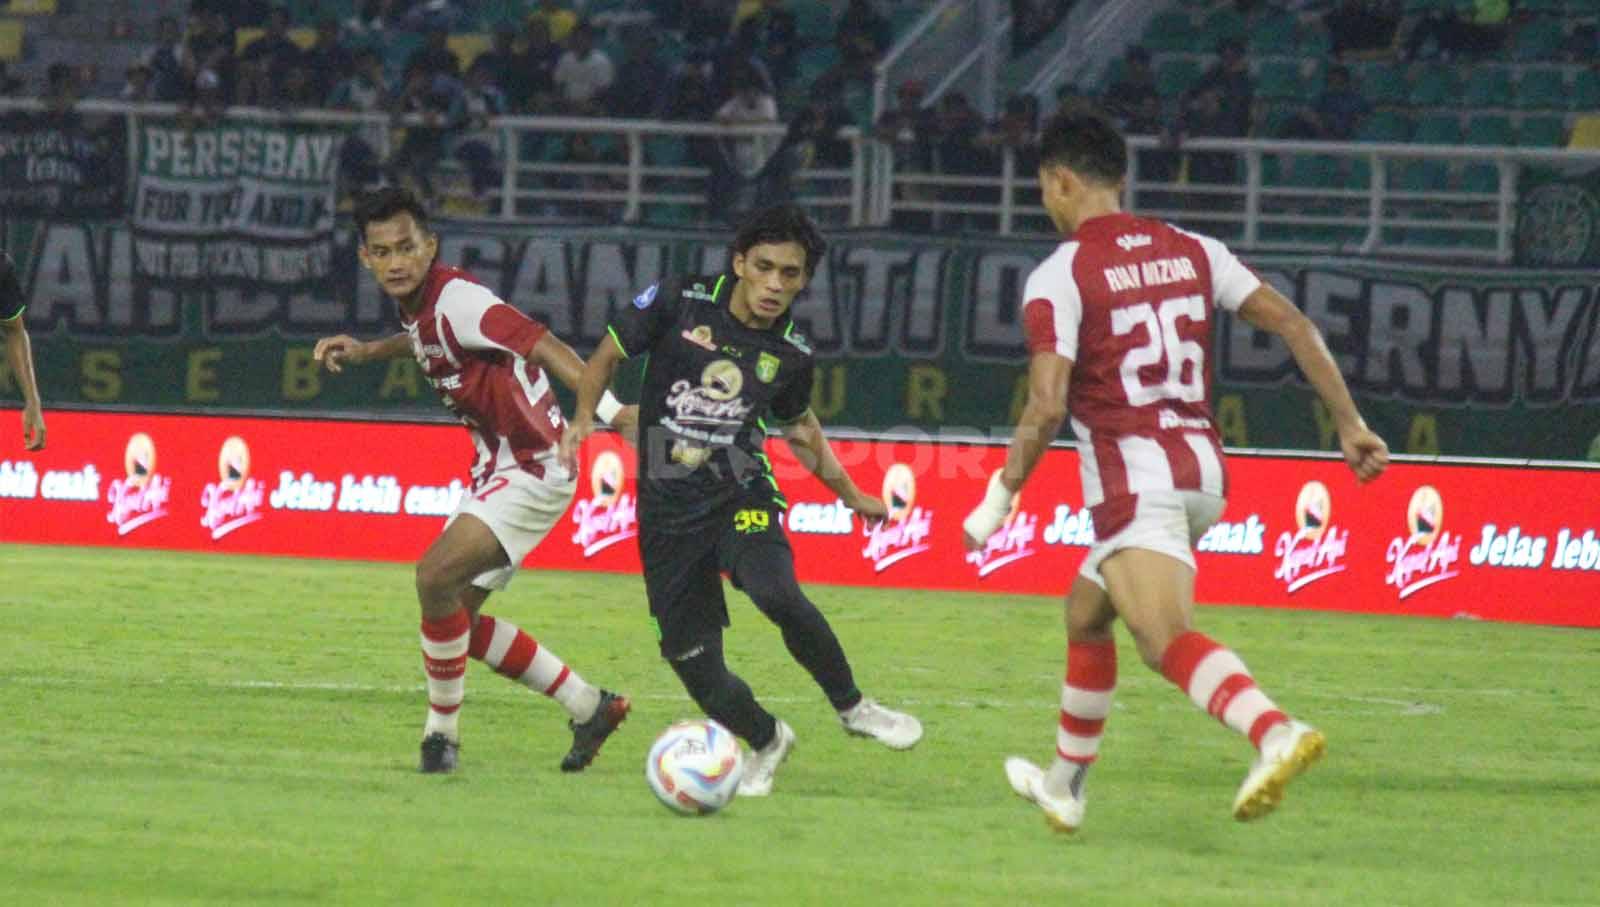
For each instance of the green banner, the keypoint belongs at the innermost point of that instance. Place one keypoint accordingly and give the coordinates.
(248, 204)
(911, 332)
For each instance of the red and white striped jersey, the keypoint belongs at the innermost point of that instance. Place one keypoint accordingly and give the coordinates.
(474, 350)
(1130, 300)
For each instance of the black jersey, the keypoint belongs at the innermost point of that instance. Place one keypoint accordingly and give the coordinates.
(709, 386)
(11, 303)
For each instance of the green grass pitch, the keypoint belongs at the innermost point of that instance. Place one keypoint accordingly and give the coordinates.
(186, 729)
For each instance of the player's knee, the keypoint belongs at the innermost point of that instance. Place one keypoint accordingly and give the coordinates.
(435, 582)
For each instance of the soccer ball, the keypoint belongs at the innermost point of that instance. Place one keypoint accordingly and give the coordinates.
(694, 767)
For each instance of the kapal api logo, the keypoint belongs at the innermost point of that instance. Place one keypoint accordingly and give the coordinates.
(906, 530)
(1012, 542)
(235, 500)
(1428, 554)
(1317, 547)
(142, 497)
(609, 515)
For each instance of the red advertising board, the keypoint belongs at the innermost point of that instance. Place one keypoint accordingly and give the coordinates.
(1425, 539)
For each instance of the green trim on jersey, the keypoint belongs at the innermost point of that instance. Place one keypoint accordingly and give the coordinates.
(618, 341)
(718, 287)
(16, 316)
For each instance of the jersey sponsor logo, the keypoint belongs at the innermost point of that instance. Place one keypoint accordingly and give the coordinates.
(1012, 542)
(907, 529)
(1429, 553)
(643, 300)
(235, 500)
(821, 519)
(767, 368)
(142, 497)
(1130, 241)
(1317, 547)
(701, 337)
(699, 292)
(609, 515)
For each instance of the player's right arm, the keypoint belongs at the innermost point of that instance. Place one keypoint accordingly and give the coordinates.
(1266, 309)
(592, 384)
(341, 350)
(634, 329)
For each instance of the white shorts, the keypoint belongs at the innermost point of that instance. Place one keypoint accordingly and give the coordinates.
(1168, 522)
(520, 509)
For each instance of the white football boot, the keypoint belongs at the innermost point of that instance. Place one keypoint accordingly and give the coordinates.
(1286, 751)
(762, 764)
(895, 730)
(1064, 814)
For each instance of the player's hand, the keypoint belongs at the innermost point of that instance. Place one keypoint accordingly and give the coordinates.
(334, 352)
(626, 422)
(1365, 452)
(871, 510)
(987, 518)
(32, 428)
(572, 440)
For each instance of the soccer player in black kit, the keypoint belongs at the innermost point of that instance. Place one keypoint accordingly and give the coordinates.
(726, 362)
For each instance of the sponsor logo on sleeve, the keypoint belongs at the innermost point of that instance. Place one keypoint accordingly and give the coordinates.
(142, 496)
(1428, 554)
(643, 300)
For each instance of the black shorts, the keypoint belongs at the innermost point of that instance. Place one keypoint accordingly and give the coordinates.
(683, 568)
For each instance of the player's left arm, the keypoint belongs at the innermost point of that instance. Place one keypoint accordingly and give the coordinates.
(812, 449)
(19, 353)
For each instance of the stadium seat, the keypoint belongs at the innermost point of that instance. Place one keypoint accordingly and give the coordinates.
(1275, 35)
(1419, 176)
(1221, 23)
(1438, 129)
(1585, 91)
(1314, 171)
(813, 20)
(1538, 40)
(1385, 126)
(1541, 89)
(1281, 80)
(1543, 132)
(1176, 77)
(1383, 84)
(1480, 178)
(1489, 129)
(1172, 30)
(1487, 86)
(1315, 42)
(1434, 85)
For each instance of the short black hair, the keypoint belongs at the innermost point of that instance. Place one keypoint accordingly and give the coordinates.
(386, 202)
(781, 224)
(1085, 142)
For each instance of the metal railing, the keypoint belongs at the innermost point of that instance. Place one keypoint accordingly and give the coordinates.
(1448, 202)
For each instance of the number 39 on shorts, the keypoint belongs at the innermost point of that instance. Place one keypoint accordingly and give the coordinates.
(749, 522)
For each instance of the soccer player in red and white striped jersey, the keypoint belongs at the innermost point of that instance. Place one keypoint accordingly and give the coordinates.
(491, 366)
(1118, 324)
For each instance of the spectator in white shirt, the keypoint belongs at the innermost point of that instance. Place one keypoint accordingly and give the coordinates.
(752, 103)
(584, 73)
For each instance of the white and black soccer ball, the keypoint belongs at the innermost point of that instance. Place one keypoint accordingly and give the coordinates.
(694, 767)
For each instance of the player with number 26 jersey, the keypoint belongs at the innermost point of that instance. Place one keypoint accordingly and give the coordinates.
(1131, 301)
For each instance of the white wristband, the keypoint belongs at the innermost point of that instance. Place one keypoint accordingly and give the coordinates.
(608, 407)
(989, 515)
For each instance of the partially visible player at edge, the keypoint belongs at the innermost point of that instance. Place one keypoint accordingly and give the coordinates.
(1118, 325)
(489, 363)
(724, 357)
(19, 354)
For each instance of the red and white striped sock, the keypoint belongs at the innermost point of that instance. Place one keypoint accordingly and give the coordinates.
(1217, 680)
(444, 658)
(514, 654)
(1085, 703)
